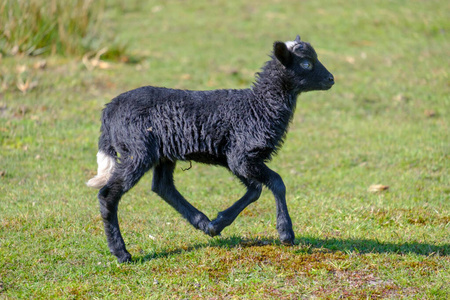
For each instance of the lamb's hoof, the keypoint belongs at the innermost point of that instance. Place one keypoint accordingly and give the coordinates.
(212, 230)
(124, 258)
(287, 242)
(287, 239)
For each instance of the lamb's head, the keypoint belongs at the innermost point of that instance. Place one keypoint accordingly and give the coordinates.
(300, 62)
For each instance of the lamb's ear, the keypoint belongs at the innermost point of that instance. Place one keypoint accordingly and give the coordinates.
(282, 53)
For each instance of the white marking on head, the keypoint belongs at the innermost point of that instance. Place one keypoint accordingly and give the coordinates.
(290, 44)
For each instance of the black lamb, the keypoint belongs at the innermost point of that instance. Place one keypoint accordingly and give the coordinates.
(152, 127)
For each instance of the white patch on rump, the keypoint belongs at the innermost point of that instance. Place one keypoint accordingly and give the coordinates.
(105, 168)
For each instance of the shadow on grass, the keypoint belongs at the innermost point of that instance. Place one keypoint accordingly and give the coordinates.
(363, 246)
(310, 245)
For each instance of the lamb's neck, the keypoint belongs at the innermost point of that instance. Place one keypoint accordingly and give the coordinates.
(273, 104)
(273, 89)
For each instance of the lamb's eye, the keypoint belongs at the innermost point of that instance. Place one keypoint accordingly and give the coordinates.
(306, 64)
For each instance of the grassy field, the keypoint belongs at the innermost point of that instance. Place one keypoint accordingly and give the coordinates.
(386, 121)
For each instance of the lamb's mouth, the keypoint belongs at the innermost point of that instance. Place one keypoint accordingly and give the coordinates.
(326, 85)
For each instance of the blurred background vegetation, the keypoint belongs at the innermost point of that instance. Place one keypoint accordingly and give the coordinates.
(72, 27)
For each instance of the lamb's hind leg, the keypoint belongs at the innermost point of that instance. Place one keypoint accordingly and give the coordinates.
(164, 186)
(109, 197)
(125, 176)
(226, 217)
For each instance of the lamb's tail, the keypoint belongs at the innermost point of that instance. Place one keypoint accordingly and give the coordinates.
(106, 164)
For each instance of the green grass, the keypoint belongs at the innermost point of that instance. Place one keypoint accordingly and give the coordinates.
(384, 122)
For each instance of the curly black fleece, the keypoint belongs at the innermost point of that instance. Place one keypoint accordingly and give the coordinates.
(153, 127)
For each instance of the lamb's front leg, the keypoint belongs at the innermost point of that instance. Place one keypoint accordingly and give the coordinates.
(258, 171)
(284, 224)
(164, 186)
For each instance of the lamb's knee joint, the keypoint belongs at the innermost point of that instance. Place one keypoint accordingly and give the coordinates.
(255, 193)
(278, 186)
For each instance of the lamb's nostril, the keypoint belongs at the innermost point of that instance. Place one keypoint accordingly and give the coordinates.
(331, 78)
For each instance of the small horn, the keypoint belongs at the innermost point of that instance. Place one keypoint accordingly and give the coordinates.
(297, 39)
